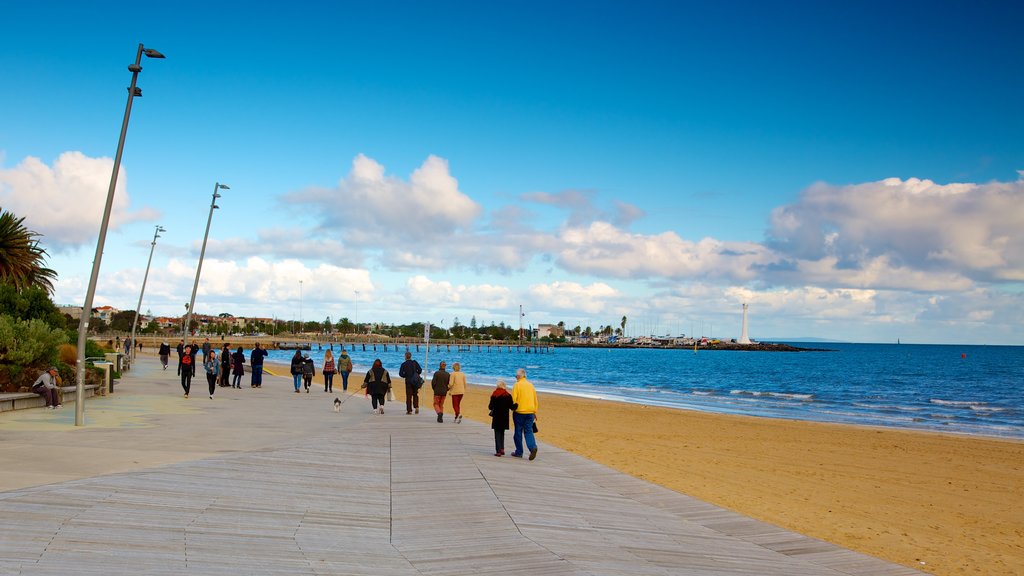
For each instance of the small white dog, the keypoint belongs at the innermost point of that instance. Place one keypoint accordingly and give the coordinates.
(337, 404)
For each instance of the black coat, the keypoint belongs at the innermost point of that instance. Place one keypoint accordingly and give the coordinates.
(500, 406)
(296, 367)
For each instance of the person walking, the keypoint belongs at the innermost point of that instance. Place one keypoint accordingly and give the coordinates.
(225, 365)
(328, 371)
(499, 405)
(186, 368)
(440, 383)
(308, 371)
(165, 353)
(47, 387)
(411, 371)
(238, 368)
(212, 366)
(256, 363)
(296, 370)
(524, 396)
(457, 389)
(181, 352)
(344, 368)
(377, 384)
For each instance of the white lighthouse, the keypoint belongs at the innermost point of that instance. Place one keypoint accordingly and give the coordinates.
(744, 339)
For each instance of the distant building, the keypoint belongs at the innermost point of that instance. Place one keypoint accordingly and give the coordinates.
(550, 331)
(73, 311)
(105, 313)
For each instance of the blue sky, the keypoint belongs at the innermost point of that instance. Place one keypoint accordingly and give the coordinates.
(850, 170)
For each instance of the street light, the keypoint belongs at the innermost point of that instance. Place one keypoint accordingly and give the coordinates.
(83, 322)
(152, 246)
(202, 252)
(301, 327)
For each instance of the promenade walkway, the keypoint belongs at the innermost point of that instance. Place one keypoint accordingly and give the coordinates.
(265, 481)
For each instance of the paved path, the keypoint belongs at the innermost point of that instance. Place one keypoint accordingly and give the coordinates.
(271, 482)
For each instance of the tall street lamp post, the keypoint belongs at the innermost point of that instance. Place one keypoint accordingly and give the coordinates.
(202, 252)
(83, 323)
(152, 246)
(301, 326)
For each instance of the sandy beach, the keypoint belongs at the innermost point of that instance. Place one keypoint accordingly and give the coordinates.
(941, 503)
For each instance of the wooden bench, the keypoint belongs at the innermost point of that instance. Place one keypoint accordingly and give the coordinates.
(22, 400)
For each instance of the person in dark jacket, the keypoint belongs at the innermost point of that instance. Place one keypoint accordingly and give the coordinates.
(440, 383)
(411, 371)
(225, 365)
(377, 384)
(237, 368)
(500, 405)
(165, 353)
(185, 369)
(195, 352)
(181, 352)
(256, 363)
(296, 370)
(308, 371)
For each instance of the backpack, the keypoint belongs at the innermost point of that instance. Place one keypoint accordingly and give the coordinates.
(307, 368)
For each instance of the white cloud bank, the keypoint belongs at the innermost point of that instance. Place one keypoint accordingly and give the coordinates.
(65, 203)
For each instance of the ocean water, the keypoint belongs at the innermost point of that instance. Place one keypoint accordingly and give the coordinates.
(975, 390)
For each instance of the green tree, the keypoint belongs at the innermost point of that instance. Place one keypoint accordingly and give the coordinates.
(122, 321)
(21, 257)
(327, 325)
(622, 326)
(29, 303)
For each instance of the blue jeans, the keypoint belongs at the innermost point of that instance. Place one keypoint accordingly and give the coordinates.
(329, 381)
(523, 426)
(257, 375)
(344, 381)
(298, 381)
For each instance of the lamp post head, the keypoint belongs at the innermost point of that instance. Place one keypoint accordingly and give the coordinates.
(223, 186)
(153, 53)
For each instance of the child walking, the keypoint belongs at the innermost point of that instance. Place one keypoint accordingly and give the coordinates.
(500, 405)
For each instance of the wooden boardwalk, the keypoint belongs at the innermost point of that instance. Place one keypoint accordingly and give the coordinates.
(394, 495)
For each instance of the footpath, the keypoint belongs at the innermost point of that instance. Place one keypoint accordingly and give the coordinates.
(266, 481)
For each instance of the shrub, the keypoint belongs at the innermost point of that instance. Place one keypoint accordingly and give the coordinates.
(27, 347)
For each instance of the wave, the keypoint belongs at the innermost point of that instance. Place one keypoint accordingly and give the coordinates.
(976, 406)
(888, 407)
(784, 395)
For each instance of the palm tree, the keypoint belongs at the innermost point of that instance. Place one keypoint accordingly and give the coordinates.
(623, 325)
(21, 257)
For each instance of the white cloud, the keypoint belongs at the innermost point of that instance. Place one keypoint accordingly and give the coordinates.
(422, 291)
(572, 296)
(376, 209)
(926, 234)
(602, 249)
(65, 203)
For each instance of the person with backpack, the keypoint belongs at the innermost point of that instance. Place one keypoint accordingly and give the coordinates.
(410, 370)
(328, 371)
(344, 368)
(308, 371)
(225, 365)
(296, 370)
